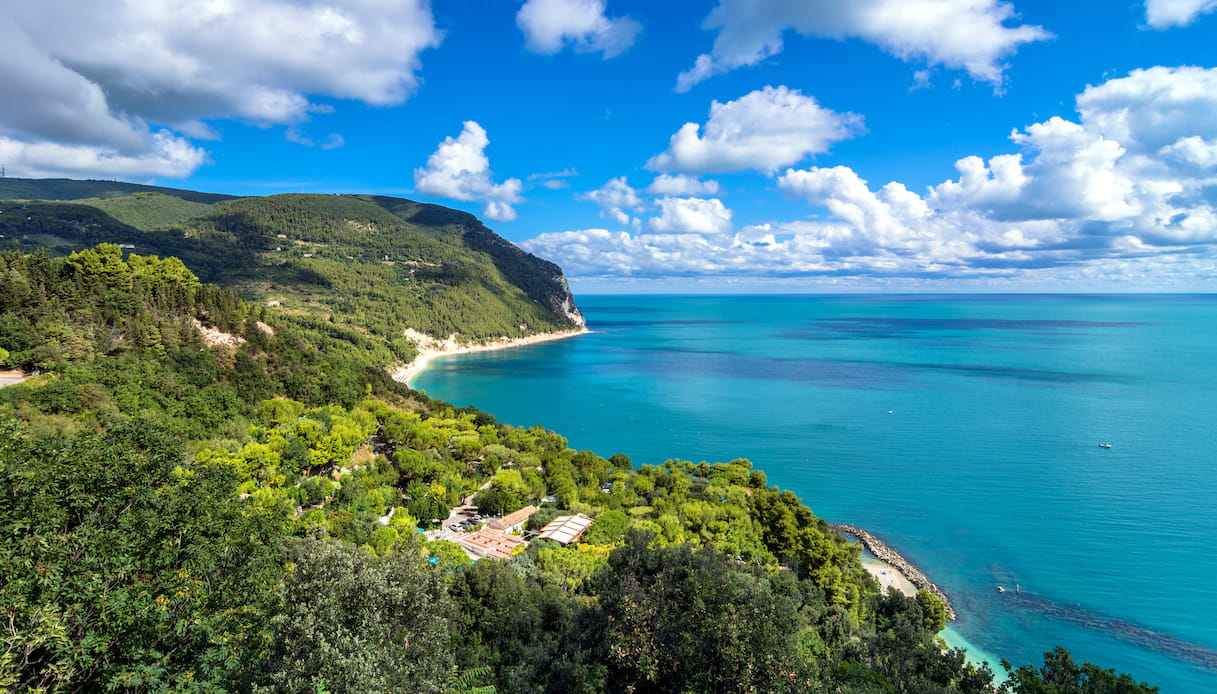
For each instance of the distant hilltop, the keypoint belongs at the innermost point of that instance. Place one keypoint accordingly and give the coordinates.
(375, 263)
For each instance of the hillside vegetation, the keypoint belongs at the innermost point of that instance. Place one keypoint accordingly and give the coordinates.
(73, 189)
(198, 495)
(148, 211)
(370, 266)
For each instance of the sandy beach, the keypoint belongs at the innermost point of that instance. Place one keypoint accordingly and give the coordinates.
(430, 348)
(892, 562)
(888, 576)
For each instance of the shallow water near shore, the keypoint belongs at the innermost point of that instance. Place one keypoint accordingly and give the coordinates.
(963, 430)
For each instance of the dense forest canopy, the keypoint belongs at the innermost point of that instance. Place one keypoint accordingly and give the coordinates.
(200, 495)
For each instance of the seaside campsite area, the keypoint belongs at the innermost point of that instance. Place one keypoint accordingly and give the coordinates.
(503, 537)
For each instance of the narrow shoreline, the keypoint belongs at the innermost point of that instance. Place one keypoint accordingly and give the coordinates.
(891, 557)
(431, 348)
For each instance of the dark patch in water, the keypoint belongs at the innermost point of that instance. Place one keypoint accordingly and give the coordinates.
(988, 347)
(880, 327)
(680, 350)
(1201, 299)
(622, 309)
(991, 323)
(674, 321)
(1093, 619)
(1026, 374)
(842, 373)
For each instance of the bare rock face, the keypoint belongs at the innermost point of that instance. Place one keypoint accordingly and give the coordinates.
(217, 338)
(564, 303)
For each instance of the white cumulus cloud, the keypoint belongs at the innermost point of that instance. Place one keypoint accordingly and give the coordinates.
(971, 35)
(120, 71)
(667, 184)
(691, 216)
(1163, 14)
(762, 130)
(459, 169)
(164, 156)
(1193, 151)
(592, 252)
(616, 200)
(893, 218)
(1152, 108)
(1141, 161)
(551, 25)
(1073, 173)
(1119, 197)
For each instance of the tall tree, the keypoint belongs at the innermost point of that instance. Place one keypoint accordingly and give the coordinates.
(679, 619)
(352, 622)
(1062, 675)
(125, 569)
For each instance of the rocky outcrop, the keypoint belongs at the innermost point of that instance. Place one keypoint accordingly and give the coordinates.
(541, 280)
(217, 338)
(564, 303)
(904, 566)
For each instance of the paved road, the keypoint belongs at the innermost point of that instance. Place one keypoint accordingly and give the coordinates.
(466, 510)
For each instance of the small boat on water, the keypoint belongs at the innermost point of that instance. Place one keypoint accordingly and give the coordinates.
(1104, 445)
(1001, 589)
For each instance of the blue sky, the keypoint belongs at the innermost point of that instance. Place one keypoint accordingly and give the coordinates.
(729, 145)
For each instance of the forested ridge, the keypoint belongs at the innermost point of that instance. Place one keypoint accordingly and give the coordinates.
(197, 495)
(372, 265)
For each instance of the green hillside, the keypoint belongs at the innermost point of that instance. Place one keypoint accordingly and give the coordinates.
(148, 211)
(72, 189)
(198, 496)
(373, 265)
(210, 488)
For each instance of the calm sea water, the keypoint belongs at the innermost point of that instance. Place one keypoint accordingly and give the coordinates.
(985, 472)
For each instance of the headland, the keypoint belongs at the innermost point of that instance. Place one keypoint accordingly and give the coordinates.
(891, 557)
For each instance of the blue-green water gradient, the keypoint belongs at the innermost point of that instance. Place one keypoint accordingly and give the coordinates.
(987, 470)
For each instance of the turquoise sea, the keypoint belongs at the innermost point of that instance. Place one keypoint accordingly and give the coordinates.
(964, 430)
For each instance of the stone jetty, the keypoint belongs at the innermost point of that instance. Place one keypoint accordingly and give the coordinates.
(904, 566)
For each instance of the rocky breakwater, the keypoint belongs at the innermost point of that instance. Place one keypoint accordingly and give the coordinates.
(886, 554)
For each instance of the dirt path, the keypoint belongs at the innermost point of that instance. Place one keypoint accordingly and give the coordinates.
(9, 378)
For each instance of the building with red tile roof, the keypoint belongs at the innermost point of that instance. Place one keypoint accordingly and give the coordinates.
(513, 521)
(491, 544)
